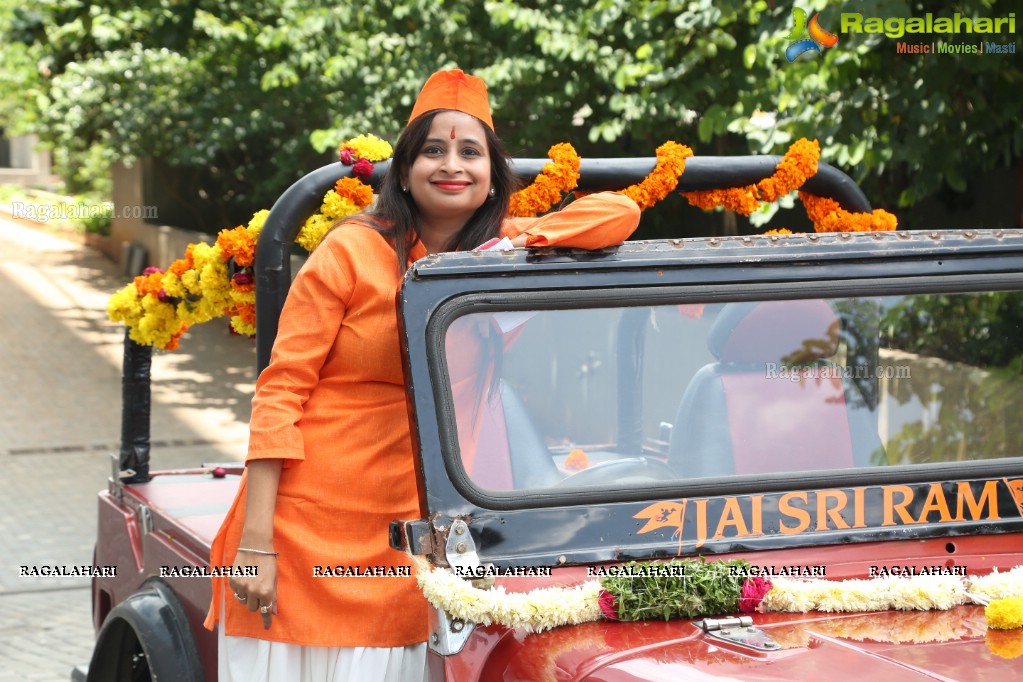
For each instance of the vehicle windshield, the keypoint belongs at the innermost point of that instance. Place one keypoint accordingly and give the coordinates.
(624, 396)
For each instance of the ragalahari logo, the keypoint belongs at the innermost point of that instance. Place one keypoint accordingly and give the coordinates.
(806, 38)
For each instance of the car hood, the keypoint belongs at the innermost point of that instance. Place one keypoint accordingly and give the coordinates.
(918, 645)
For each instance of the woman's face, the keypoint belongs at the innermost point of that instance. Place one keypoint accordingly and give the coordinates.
(450, 175)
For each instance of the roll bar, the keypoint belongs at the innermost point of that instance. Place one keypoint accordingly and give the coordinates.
(303, 198)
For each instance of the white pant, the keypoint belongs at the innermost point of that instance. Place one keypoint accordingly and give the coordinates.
(244, 659)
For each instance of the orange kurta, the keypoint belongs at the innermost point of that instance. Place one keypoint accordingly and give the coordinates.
(332, 405)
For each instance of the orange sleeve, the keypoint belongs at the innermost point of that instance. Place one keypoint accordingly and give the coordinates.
(590, 222)
(310, 321)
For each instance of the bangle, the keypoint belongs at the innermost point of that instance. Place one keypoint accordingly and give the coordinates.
(259, 551)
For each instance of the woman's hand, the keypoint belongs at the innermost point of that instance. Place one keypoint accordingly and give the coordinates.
(259, 591)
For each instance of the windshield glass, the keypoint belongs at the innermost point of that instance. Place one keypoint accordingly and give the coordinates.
(623, 396)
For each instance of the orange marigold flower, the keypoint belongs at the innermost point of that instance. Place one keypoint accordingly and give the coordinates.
(797, 165)
(246, 312)
(355, 190)
(780, 230)
(663, 179)
(176, 338)
(149, 284)
(576, 460)
(237, 243)
(183, 265)
(554, 180)
(828, 216)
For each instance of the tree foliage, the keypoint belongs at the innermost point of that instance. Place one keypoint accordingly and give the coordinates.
(254, 93)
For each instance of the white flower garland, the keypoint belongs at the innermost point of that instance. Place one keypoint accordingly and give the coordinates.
(550, 607)
(534, 611)
(916, 593)
(997, 585)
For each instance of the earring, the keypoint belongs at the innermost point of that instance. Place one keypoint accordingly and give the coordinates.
(404, 188)
(493, 191)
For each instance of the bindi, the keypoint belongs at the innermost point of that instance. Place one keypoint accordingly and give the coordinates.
(452, 132)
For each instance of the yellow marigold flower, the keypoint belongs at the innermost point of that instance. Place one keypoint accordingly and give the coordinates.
(159, 325)
(190, 282)
(237, 243)
(336, 206)
(173, 286)
(312, 233)
(369, 147)
(1005, 614)
(203, 253)
(125, 306)
(214, 281)
(354, 190)
(255, 226)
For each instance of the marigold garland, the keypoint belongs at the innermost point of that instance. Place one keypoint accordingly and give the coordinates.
(555, 179)
(828, 216)
(663, 179)
(215, 280)
(797, 165)
(550, 607)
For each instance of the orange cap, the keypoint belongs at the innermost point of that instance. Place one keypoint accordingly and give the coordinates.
(456, 91)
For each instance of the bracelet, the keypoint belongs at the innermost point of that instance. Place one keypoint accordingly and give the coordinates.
(259, 551)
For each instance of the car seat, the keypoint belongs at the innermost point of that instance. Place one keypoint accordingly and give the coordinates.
(511, 452)
(773, 401)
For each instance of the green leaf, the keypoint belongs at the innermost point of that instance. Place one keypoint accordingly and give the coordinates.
(749, 56)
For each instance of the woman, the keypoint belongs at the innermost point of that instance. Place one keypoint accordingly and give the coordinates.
(330, 461)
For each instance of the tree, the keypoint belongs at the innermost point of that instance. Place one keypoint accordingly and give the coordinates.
(254, 93)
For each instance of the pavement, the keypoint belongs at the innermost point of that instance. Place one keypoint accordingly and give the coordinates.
(60, 415)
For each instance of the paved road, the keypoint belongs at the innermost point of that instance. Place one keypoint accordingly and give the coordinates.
(60, 412)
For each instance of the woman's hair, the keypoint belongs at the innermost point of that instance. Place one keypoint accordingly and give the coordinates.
(395, 214)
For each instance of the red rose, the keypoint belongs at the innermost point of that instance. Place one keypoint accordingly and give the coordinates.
(362, 168)
(242, 279)
(753, 592)
(346, 156)
(608, 604)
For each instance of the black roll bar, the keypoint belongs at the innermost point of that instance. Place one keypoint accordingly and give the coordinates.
(302, 199)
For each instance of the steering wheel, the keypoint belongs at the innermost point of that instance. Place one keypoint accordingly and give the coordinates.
(642, 469)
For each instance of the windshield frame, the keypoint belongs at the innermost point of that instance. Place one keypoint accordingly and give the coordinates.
(522, 300)
(585, 527)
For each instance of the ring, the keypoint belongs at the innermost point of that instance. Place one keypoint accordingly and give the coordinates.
(264, 609)
(239, 597)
